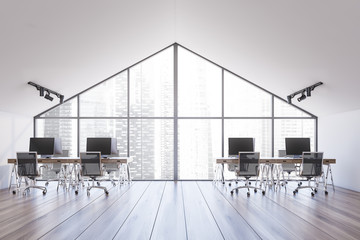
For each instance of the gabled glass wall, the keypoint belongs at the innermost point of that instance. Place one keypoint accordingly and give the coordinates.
(174, 112)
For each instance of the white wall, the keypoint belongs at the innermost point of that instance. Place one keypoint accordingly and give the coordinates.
(15, 133)
(339, 138)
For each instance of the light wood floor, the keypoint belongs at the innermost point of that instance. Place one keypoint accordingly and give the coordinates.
(179, 210)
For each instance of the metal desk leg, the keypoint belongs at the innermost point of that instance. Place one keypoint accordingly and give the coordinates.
(128, 172)
(15, 175)
(222, 173)
(327, 175)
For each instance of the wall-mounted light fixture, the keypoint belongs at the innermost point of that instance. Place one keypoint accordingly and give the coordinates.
(42, 90)
(306, 90)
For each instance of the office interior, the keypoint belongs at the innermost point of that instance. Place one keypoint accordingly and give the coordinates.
(278, 47)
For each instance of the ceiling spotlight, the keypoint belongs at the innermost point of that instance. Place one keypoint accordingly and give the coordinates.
(308, 91)
(48, 97)
(289, 98)
(41, 89)
(302, 97)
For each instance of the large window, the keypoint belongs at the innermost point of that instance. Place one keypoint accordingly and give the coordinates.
(173, 113)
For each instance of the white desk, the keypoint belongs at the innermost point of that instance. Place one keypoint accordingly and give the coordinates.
(278, 160)
(75, 160)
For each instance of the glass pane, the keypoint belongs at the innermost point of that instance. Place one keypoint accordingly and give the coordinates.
(67, 109)
(199, 144)
(283, 109)
(260, 129)
(109, 99)
(65, 129)
(199, 86)
(115, 128)
(152, 86)
(242, 99)
(152, 146)
(293, 128)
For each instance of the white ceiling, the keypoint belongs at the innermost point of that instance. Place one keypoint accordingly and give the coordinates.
(282, 46)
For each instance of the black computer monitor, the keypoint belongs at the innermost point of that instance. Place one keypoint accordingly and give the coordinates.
(106, 146)
(296, 146)
(237, 145)
(45, 146)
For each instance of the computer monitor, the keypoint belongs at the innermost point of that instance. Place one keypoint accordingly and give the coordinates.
(237, 145)
(45, 147)
(296, 146)
(106, 146)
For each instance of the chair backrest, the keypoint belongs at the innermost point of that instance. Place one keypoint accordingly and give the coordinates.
(91, 163)
(27, 164)
(248, 164)
(311, 164)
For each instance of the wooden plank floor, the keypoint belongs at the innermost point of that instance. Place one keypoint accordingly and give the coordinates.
(179, 210)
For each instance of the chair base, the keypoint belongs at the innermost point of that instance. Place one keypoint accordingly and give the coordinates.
(248, 186)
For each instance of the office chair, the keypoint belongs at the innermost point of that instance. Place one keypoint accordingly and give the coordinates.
(311, 168)
(112, 168)
(248, 167)
(58, 170)
(287, 168)
(28, 167)
(91, 167)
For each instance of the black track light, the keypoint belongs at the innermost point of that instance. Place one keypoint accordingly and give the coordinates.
(303, 91)
(42, 90)
(302, 97)
(48, 97)
(308, 91)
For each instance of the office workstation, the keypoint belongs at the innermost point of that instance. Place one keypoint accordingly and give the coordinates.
(179, 120)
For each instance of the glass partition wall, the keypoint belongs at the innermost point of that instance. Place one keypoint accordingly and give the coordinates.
(173, 113)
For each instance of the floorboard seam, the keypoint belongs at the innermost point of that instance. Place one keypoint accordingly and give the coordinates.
(238, 212)
(75, 214)
(157, 212)
(183, 201)
(131, 210)
(210, 210)
(299, 217)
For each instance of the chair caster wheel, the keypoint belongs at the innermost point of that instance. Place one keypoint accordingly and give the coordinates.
(255, 191)
(263, 192)
(248, 194)
(76, 192)
(46, 184)
(44, 192)
(231, 192)
(229, 184)
(294, 192)
(223, 182)
(326, 192)
(236, 182)
(98, 183)
(106, 192)
(315, 190)
(14, 192)
(249, 183)
(312, 194)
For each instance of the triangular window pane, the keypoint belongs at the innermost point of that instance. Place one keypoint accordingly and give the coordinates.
(283, 109)
(67, 109)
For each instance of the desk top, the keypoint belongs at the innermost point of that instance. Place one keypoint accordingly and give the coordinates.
(77, 160)
(235, 160)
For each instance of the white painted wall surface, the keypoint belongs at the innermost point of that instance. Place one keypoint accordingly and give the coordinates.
(339, 138)
(15, 133)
